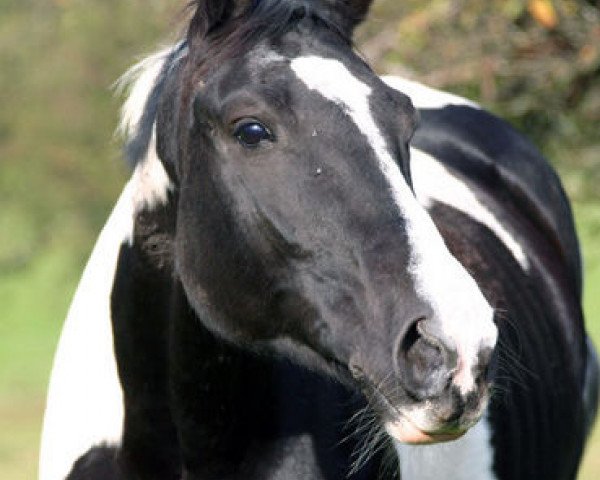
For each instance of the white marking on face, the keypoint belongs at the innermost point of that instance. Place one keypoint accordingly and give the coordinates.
(85, 406)
(467, 458)
(423, 96)
(464, 315)
(432, 181)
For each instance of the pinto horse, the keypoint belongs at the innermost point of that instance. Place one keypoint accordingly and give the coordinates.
(315, 272)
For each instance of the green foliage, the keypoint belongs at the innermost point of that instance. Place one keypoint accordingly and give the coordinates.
(60, 163)
(545, 80)
(61, 169)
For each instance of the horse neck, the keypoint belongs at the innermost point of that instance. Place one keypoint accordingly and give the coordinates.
(208, 403)
(228, 401)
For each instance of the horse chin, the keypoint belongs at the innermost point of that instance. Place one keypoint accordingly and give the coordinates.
(405, 431)
(422, 425)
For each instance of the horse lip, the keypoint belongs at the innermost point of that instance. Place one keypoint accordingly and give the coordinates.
(401, 427)
(405, 431)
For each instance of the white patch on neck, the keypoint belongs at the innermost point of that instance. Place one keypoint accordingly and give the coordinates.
(467, 458)
(85, 406)
(151, 184)
(464, 315)
(423, 96)
(433, 182)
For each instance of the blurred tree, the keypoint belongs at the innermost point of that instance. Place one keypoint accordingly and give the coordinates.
(60, 167)
(535, 62)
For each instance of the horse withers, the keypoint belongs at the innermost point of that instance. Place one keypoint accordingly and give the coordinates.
(307, 277)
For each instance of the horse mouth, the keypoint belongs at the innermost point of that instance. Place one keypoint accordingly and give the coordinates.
(427, 421)
(405, 431)
(421, 425)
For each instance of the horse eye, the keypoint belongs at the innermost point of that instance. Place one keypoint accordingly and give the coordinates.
(250, 134)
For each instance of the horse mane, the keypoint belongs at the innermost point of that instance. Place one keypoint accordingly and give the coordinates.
(143, 84)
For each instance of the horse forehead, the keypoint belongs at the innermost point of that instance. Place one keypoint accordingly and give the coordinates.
(329, 76)
(264, 57)
(334, 81)
(353, 94)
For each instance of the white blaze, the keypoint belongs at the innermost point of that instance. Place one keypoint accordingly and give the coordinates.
(458, 304)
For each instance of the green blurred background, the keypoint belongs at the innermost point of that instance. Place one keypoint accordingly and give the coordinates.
(536, 63)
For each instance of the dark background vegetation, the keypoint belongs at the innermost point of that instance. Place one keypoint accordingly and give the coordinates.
(535, 63)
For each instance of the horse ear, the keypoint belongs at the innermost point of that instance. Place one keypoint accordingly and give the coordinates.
(211, 14)
(359, 9)
(348, 13)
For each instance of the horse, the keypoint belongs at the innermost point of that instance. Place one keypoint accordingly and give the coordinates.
(317, 272)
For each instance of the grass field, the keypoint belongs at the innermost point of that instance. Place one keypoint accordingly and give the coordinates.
(588, 223)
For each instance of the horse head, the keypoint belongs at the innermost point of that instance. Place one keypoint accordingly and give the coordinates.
(297, 229)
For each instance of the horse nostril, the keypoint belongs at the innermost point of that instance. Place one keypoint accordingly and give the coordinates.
(424, 362)
(410, 339)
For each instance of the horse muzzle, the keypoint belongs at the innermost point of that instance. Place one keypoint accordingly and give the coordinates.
(438, 390)
(436, 420)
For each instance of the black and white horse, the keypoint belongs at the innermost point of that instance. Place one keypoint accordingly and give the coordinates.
(305, 273)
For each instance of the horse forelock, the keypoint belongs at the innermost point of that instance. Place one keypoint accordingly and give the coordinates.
(212, 18)
(216, 37)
